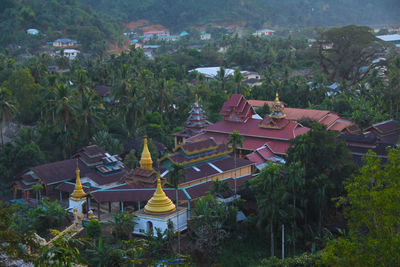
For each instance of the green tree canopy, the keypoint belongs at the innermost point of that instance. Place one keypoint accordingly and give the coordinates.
(372, 207)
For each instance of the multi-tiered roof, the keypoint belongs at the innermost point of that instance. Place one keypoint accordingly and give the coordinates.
(196, 121)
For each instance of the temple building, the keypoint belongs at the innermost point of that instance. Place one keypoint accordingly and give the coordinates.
(376, 138)
(265, 139)
(204, 162)
(194, 124)
(98, 169)
(331, 120)
(158, 212)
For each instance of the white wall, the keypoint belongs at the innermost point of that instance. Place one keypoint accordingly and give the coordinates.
(141, 220)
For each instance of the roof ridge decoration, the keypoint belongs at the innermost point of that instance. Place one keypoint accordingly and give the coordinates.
(146, 162)
(160, 203)
(277, 109)
(78, 194)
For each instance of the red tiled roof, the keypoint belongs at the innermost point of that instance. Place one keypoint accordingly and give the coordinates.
(260, 103)
(329, 119)
(265, 152)
(237, 108)
(340, 125)
(251, 128)
(256, 158)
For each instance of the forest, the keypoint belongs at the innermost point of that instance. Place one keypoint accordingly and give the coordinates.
(253, 13)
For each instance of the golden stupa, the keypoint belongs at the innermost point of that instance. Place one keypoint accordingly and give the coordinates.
(277, 108)
(159, 203)
(78, 194)
(146, 162)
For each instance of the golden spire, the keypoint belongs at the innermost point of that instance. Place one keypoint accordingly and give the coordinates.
(78, 193)
(277, 108)
(197, 98)
(159, 203)
(146, 162)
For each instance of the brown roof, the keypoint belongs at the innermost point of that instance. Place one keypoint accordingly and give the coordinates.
(385, 126)
(181, 158)
(102, 90)
(60, 171)
(208, 143)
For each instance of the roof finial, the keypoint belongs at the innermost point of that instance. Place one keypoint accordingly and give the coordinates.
(277, 108)
(197, 98)
(78, 193)
(146, 162)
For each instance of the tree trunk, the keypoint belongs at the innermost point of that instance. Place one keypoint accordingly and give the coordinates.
(272, 241)
(177, 222)
(235, 170)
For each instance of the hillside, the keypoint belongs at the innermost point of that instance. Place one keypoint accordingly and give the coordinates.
(54, 19)
(256, 13)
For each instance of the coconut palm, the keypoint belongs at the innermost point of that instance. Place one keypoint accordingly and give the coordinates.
(272, 198)
(7, 109)
(177, 175)
(235, 139)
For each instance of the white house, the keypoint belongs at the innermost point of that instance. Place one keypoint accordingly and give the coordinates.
(264, 32)
(32, 31)
(212, 72)
(71, 53)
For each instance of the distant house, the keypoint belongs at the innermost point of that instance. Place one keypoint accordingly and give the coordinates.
(212, 72)
(71, 53)
(205, 36)
(251, 75)
(103, 91)
(32, 31)
(184, 33)
(64, 43)
(391, 38)
(264, 32)
(169, 37)
(155, 34)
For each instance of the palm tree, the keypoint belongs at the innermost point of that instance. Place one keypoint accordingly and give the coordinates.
(271, 199)
(89, 111)
(235, 139)
(64, 109)
(176, 175)
(7, 109)
(295, 182)
(221, 76)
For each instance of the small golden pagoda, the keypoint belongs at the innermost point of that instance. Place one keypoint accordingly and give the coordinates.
(78, 194)
(159, 203)
(277, 109)
(146, 162)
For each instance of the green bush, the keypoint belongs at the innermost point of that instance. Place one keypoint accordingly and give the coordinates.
(304, 260)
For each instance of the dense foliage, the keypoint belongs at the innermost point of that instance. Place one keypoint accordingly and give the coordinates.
(255, 12)
(54, 19)
(372, 208)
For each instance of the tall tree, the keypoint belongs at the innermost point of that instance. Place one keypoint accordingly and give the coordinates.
(347, 53)
(235, 140)
(272, 200)
(372, 207)
(7, 109)
(175, 177)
